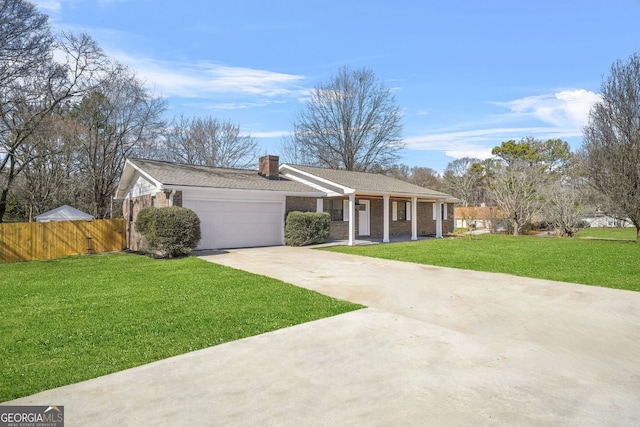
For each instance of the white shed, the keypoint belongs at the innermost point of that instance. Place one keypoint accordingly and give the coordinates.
(63, 213)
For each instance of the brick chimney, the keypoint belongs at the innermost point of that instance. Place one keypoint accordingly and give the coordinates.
(268, 167)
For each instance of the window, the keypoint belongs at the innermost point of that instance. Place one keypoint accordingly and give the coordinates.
(401, 211)
(334, 207)
(153, 201)
(443, 211)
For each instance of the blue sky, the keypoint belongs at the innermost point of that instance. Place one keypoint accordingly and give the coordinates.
(467, 74)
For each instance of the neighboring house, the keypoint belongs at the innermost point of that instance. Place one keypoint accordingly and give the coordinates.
(479, 217)
(246, 208)
(600, 219)
(63, 213)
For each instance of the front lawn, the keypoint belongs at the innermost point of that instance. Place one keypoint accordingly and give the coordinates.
(77, 318)
(614, 264)
(626, 233)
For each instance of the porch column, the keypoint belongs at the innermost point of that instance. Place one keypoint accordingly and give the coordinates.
(438, 219)
(414, 218)
(385, 236)
(352, 219)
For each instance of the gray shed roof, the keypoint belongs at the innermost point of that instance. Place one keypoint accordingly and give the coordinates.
(369, 182)
(63, 213)
(168, 173)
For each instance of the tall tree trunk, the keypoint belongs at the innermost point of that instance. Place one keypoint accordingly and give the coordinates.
(5, 191)
(3, 202)
(516, 228)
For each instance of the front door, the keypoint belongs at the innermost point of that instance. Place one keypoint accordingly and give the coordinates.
(364, 218)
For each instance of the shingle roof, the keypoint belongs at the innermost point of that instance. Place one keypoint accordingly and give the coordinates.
(372, 182)
(168, 173)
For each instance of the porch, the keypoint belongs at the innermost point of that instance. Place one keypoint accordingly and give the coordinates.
(382, 219)
(365, 241)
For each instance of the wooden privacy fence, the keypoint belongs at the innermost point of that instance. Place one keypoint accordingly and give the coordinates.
(27, 241)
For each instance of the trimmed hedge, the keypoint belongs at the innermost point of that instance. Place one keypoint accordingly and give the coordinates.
(306, 228)
(171, 231)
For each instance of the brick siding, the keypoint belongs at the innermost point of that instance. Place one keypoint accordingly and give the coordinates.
(130, 209)
(160, 200)
(301, 204)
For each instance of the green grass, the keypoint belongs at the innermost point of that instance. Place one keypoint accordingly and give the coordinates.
(460, 230)
(627, 233)
(77, 318)
(614, 264)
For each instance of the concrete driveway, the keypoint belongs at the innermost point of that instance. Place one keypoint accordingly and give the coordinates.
(436, 346)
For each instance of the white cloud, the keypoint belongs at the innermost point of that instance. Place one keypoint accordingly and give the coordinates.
(207, 79)
(568, 109)
(250, 80)
(56, 5)
(564, 113)
(477, 142)
(48, 5)
(270, 134)
(234, 105)
(458, 144)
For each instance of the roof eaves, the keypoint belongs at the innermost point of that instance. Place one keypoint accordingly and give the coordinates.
(120, 191)
(403, 194)
(180, 187)
(144, 173)
(347, 190)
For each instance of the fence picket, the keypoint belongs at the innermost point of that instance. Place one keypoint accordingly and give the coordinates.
(28, 241)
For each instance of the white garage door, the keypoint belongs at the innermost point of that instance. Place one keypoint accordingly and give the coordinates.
(238, 224)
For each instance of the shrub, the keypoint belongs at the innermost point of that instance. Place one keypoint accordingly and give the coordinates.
(145, 221)
(306, 228)
(171, 231)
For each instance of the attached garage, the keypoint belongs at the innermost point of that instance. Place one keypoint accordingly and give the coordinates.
(238, 208)
(239, 223)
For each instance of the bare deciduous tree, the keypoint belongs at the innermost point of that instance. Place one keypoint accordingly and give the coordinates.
(612, 141)
(565, 207)
(210, 142)
(47, 181)
(351, 122)
(112, 122)
(292, 153)
(518, 188)
(25, 41)
(463, 180)
(426, 177)
(32, 92)
(418, 175)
